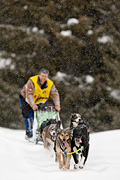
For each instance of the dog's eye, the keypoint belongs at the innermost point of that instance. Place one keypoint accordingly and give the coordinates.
(62, 134)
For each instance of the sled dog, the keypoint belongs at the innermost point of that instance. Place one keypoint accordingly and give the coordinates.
(80, 144)
(75, 118)
(49, 134)
(63, 148)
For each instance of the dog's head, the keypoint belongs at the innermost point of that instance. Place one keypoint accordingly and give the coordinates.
(80, 134)
(75, 119)
(65, 137)
(52, 131)
(53, 128)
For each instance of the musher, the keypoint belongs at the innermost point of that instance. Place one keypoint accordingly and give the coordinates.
(37, 90)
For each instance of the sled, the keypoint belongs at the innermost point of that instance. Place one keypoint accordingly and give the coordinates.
(40, 116)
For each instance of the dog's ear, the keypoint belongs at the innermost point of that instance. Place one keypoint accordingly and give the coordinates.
(59, 131)
(58, 124)
(69, 132)
(71, 116)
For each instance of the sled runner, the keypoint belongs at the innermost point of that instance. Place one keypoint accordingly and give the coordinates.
(41, 116)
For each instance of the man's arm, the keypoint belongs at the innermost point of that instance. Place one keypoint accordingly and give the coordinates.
(55, 97)
(29, 87)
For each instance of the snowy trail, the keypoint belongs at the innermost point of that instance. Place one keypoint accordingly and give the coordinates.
(21, 160)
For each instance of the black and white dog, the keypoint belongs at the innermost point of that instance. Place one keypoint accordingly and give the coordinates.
(80, 143)
(75, 119)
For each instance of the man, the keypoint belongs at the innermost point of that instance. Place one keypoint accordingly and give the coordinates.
(37, 90)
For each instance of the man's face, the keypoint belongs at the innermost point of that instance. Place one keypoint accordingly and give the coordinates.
(43, 77)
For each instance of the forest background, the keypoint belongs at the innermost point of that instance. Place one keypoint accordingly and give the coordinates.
(78, 41)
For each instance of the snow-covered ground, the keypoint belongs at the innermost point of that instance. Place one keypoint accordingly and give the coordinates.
(21, 160)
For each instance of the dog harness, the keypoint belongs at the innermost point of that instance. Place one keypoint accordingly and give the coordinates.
(66, 148)
(60, 144)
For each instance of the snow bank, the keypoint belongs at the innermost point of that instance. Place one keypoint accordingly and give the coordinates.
(21, 160)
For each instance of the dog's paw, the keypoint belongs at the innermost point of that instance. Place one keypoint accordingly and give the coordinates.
(76, 166)
(81, 166)
(66, 167)
(60, 166)
(45, 146)
(81, 162)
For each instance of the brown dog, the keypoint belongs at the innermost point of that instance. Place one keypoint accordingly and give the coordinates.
(62, 147)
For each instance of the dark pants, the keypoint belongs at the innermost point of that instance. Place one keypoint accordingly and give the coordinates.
(27, 113)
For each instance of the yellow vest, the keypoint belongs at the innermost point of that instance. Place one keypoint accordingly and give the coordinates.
(41, 93)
